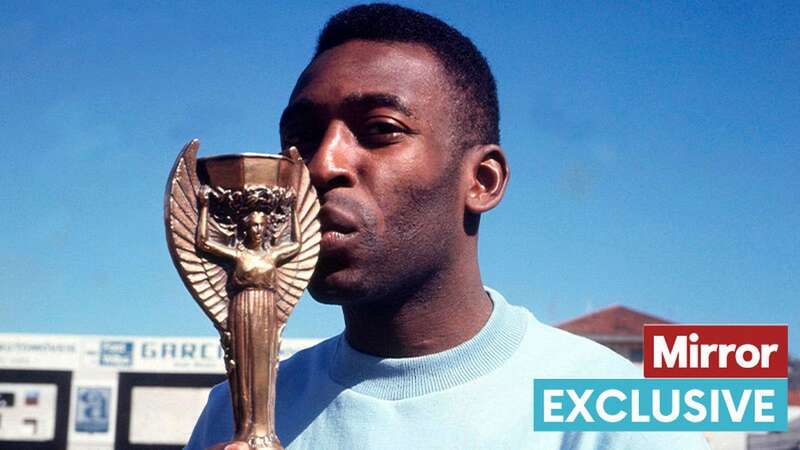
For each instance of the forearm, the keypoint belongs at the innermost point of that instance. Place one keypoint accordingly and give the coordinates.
(295, 227)
(286, 252)
(202, 241)
(201, 237)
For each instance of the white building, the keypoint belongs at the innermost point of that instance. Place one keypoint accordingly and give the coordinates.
(103, 392)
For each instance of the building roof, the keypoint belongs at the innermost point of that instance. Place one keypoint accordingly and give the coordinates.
(794, 397)
(615, 321)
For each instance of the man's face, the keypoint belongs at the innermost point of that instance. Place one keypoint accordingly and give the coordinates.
(372, 121)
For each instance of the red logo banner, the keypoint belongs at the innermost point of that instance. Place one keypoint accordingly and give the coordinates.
(716, 351)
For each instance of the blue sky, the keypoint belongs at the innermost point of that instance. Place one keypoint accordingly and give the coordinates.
(654, 152)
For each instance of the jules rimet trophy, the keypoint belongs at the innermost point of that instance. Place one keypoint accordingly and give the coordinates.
(243, 233)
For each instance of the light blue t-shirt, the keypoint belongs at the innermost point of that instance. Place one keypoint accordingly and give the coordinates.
(477, 395)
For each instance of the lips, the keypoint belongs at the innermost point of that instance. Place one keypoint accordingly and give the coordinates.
(338, 227)
(336, 219)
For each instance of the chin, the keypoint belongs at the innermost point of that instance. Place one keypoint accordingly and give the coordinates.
(338, 287)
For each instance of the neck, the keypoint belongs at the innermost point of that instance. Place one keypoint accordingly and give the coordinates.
(446, 310)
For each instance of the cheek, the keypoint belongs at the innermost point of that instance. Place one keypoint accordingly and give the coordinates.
(390, 186)
(421, 212)
(413, 193)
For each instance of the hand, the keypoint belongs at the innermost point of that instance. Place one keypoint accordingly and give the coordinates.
(289, 195)
(239, 445)
(203, 194)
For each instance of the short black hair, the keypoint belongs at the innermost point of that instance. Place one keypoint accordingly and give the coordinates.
(478, 119)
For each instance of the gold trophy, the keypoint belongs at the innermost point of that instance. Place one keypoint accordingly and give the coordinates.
(243, 233)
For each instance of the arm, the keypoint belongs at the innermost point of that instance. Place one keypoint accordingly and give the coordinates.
(289, 250)
(201, 237)
(215, 423)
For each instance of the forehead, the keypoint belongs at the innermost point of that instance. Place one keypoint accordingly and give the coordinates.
(408, 71)
(257, 217)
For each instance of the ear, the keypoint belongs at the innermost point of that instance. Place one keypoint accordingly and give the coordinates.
(489, 172)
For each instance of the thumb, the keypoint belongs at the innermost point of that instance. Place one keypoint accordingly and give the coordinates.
(237, 446)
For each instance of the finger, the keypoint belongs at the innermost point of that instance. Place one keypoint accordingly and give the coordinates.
(237, 446)
(293, 153)
(230, 446)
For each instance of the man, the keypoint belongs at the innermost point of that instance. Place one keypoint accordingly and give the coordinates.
(397, 119)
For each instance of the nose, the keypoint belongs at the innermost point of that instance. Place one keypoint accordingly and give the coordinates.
(333, 163)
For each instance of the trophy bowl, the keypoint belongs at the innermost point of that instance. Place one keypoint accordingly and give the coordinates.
(245, 170)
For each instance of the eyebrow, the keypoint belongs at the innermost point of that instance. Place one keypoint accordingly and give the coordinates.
(358, 101)
(376, 100)
(298, 108)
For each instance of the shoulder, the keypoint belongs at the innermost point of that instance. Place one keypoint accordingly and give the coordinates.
(219, 402)
(294, 377)
(312, 356)
(216, 421)
(663, 440)
(558, 353)
(548, 352)
(307, 364)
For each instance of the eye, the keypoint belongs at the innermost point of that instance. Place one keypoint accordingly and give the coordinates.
(381, 131)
